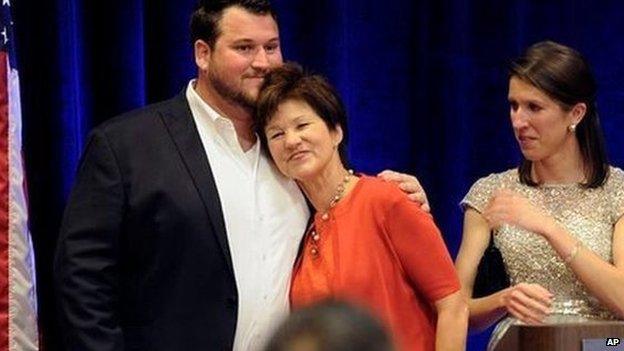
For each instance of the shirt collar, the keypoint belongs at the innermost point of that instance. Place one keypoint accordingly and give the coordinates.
(203, 111)
(200, 106)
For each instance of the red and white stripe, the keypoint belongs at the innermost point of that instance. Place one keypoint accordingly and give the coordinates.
(18, 301)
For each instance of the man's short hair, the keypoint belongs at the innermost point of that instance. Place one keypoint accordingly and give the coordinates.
(208, 13)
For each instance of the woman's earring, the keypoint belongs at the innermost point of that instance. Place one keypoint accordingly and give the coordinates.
(572, 128)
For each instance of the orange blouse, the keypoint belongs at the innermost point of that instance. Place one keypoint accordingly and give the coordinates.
(379, 250)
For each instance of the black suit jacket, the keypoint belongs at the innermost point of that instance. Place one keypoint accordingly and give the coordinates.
(142, 261)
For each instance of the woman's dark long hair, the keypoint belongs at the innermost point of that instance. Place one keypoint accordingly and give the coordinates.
(564, 75)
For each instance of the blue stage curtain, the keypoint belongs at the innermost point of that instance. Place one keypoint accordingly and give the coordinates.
(424, 82)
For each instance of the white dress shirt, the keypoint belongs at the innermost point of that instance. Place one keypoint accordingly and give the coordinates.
(265, 217)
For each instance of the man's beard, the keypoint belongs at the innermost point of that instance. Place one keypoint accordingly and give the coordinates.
(228, 93)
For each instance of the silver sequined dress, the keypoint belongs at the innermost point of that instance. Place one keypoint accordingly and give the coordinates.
(588, 214)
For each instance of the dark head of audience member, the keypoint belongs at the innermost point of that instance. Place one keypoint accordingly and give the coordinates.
(330, 326)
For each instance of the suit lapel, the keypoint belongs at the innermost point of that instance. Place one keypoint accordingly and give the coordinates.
(182, 129)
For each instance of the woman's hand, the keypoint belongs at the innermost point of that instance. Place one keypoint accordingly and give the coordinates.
(529, 303)
(508, 207)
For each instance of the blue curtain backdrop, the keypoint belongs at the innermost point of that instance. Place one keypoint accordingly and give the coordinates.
(424, 82)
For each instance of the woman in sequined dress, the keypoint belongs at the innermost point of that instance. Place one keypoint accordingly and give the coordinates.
(367, 243)
(557, 219)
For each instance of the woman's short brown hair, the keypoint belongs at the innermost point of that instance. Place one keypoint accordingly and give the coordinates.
(291, 82)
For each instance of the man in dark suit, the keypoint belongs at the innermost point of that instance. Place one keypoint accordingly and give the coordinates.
(179, 233)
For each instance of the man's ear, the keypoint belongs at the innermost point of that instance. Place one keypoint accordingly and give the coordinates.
(202, 53)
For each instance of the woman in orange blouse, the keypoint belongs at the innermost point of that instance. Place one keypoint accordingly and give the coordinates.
(368, 243)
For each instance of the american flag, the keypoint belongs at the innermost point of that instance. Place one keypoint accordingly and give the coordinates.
(18, 306)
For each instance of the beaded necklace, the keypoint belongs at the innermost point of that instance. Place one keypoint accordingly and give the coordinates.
(340, 190)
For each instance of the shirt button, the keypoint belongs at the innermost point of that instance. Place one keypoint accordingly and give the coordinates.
(325, 216)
